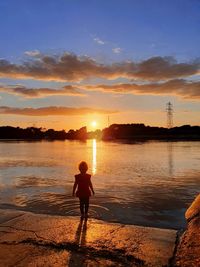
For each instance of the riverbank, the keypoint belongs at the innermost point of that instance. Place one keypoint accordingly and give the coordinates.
(28, 239)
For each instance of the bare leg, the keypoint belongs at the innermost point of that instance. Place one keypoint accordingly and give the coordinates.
(86, 206)
(81, 206)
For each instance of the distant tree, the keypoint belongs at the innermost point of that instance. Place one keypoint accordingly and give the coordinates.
(114, 131)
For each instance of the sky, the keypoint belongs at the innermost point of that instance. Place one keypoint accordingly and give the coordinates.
(67, 63)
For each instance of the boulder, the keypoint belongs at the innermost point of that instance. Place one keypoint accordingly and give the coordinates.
(188, 250)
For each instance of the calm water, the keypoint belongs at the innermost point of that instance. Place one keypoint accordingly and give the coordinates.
(148, 184)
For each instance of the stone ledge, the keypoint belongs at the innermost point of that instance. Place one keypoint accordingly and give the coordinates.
(28, 239)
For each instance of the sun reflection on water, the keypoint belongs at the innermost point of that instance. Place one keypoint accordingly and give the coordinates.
(94, 156)
(155, 181)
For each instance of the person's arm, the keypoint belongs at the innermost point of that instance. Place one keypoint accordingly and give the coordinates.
(91, 187)
(74, 188)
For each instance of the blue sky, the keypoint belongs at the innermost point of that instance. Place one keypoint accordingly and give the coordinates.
(141, 28)
(107, 32)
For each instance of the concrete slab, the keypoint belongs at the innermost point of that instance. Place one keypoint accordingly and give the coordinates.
(42, 239)
(22, 255)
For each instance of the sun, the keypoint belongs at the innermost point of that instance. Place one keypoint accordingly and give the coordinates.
(94, 124)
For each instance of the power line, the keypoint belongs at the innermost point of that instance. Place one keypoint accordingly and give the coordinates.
(170, 111)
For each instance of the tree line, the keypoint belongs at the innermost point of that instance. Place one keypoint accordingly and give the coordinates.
(114, 131)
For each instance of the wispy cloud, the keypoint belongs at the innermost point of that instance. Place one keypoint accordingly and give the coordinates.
(117, 50)
(33, 53)
(99, 41)
(178, 87)
(67, 90)
(70, 67)
(53, 111)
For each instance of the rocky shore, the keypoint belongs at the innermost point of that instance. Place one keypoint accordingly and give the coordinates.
(188, 249)
(28, 239)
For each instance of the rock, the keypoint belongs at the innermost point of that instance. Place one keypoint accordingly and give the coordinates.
(188, 250)
(194, 209)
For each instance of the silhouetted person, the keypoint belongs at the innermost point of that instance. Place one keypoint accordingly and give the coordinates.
(84, 184)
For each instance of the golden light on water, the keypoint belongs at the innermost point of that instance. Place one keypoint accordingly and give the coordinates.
(94, 156)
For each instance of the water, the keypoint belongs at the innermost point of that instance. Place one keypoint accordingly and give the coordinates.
(150, 183)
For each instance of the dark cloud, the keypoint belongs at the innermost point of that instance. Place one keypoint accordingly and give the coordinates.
(53, 111)
(70, 67)
(40, 92)
(179, 87)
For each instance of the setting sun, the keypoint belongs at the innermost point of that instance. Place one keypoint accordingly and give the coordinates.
(94, 124)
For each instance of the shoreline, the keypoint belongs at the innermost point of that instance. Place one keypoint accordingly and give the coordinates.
(122, 140)
(93, 218)
(45, 240)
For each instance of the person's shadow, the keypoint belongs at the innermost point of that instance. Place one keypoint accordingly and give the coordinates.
(76, 258)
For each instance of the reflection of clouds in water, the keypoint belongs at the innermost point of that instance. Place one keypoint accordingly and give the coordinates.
(32, 181)
(184, 185)
(6, 163)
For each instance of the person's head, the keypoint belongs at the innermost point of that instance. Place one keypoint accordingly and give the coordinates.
(83, 167)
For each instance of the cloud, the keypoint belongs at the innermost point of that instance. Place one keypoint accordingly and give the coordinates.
(99, 41)
(33, 53)
(53, 111)
(70, 67)
(117, 50)
(40, 92)
(179, 87)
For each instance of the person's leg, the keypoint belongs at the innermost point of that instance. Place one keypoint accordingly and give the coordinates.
(86, 206)
(81, 206)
